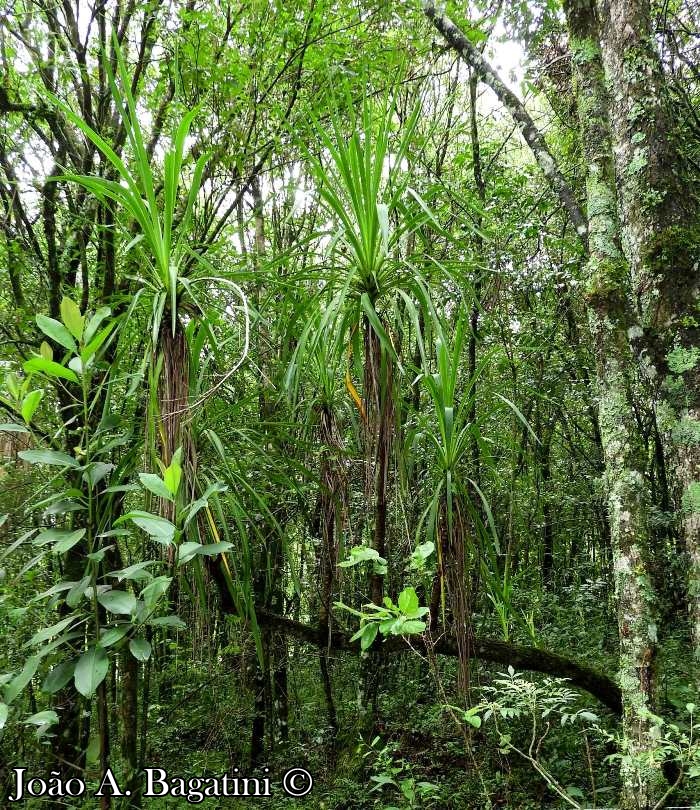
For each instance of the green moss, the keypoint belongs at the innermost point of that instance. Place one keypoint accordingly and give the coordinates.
(681, 359)
(691, 499)
(676, 247)
(686, 431)
(607, 284)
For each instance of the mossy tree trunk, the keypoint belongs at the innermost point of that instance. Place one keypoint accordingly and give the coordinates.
(659, 212)
(612, 322)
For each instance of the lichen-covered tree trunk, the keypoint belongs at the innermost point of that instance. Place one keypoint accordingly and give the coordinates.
(611, 319)
(659, 212)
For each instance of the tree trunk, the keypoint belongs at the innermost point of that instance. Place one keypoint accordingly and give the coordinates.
(611, 322)
(662, 242)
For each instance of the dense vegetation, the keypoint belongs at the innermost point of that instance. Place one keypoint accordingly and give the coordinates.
(350, 401)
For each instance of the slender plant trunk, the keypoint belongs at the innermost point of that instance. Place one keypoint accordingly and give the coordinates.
(377, 437)
(129, 719)
(332, 498)
(103, 734)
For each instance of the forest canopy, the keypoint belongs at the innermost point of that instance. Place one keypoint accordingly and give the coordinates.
(350, 404)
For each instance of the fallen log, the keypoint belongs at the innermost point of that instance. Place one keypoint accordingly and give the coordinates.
(531, 659)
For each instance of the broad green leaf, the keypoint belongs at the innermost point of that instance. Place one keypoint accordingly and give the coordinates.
(411, 627)
(114, 634)
(76, 364)
(117, 601)
(4, 709)
(77, 592)
(91, 670)
(51, 457)
(30, 404)
(408, 602)
(56, 331)
(17, 684)
(172, 476)
(154, 590)
(203, 501)
(156, 485)
(10, 427)
(58, 588)
(95, 321)
(54, 536)
(211, 549)
(359, 554)
(48, 632)
(186, 551)
(71, 317)
(58, 677)
(67, 542)
(96, 471)
(157, 527)
(472, 719)
(369, 635)
(135, 572)
(95, 344)
(168, 621)
(140, 648)
(50, 368)
(45, 718)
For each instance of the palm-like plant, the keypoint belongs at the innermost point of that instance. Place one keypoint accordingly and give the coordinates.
(163, 215)
(363, 184)
(458, 516)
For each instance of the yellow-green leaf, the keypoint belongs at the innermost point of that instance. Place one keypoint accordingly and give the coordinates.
(71, 317)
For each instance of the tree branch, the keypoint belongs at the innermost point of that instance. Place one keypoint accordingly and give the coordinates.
(533, 137)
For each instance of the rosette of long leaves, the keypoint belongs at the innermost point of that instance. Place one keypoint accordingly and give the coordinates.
(363, 184)
(458, 516)
(162, 210)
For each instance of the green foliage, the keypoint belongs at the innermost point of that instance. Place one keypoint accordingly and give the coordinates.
(403, 619)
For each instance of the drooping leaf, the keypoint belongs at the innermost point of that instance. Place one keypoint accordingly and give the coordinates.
(168, 621)
(186, 551)
(48, 632)
(114, 635)
(45, 718)
(95, 321)
(90, 670)
(140, 648)
(157, 527)
(154, 590)
(67, 542)
(117, 601)
(58, 677)
(30, 404)
(157, 485)
(51, 457)
(56, 331)
(50, 368)
(17, 684)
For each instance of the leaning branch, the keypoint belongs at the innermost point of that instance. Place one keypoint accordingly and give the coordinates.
(533, 137)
